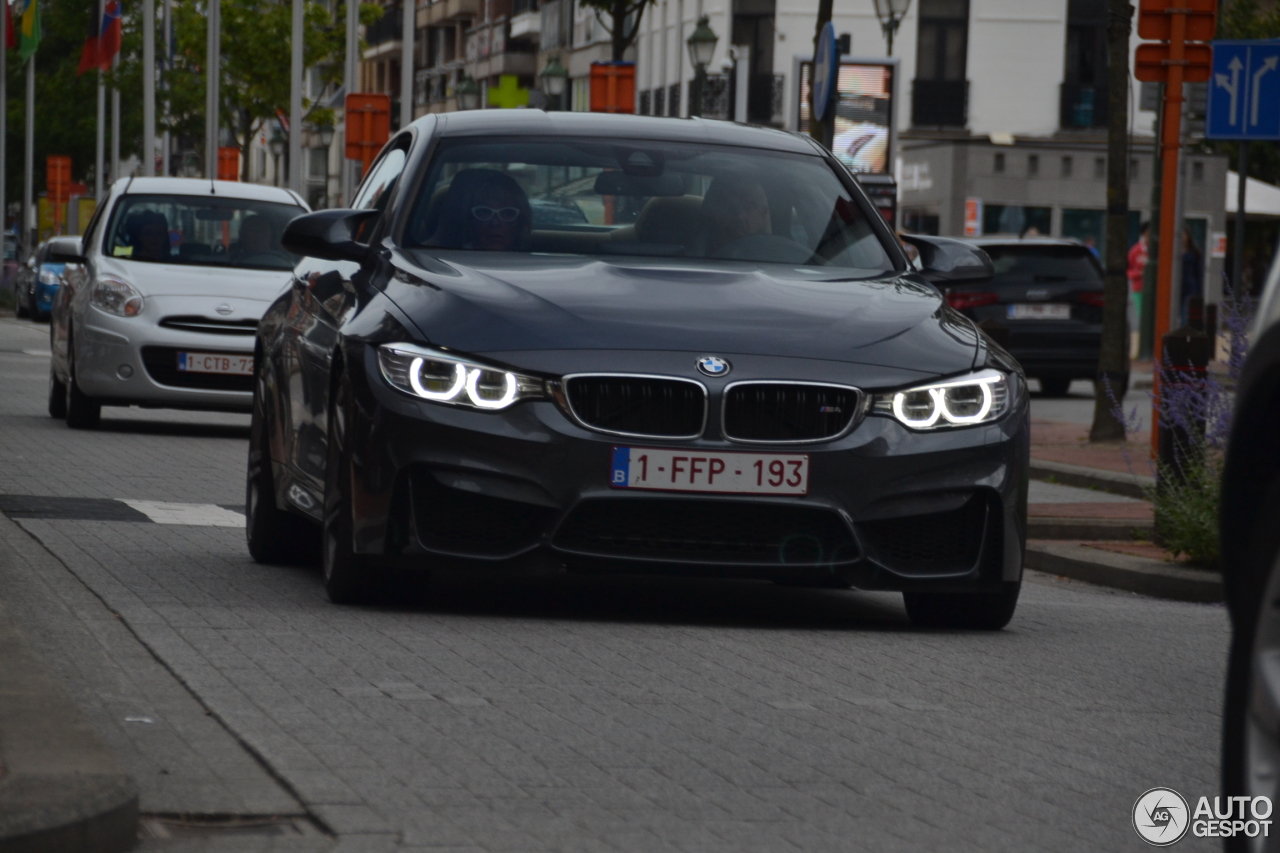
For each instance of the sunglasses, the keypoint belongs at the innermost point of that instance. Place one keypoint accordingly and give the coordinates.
(505, 214)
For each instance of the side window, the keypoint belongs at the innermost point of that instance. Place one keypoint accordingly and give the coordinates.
(376, 189)
(91, 230)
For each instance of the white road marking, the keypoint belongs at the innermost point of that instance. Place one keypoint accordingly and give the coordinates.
(195, 515)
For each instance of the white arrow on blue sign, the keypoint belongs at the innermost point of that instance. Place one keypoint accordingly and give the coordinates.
(1244, 91)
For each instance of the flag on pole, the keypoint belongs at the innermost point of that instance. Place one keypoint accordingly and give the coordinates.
(29, 30)
(103, 41)
(10, 35)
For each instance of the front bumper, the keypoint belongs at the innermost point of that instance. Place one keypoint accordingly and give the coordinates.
(45, 294)
(132, 361)
(887, 508)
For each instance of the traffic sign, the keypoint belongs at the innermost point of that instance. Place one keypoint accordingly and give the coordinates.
(826, 66)
(368, 122)
(1244, 95)
(1151, 62)
(1155, 19)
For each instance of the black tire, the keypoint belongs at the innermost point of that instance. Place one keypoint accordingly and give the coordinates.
(1054, 386)
(32, 310)
(275, 536)
(21, 306)
(979, 611)
(83, 412)
(349, 578)
(1251, 596)
(57, 396)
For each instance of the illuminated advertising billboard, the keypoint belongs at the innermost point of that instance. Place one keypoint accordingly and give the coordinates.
(864, 114)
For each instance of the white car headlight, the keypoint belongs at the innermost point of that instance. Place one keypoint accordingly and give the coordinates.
(978, 398)
(116, 297)
(443, 378)
(49, 277)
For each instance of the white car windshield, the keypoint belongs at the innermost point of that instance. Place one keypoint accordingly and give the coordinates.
(653, 199)
(201, 231)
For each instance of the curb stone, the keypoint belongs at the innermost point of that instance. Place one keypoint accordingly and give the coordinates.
(60, 788)
(1044, 527)
(1124, 571)
(1131, 485)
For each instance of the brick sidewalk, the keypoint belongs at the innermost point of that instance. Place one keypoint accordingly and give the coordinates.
(1053, 441)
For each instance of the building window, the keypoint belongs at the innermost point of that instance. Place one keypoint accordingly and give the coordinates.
(1133, 168)
(643, 109)
(673, 99)
(920, 222)
(1197, 172)
(1014, 219)
(939, 94)
(1033, 165)
(1067, 166)
(998, 165)
(1083, 100)
(1099, 168)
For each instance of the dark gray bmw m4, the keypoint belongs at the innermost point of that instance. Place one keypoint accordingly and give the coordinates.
(618, 344)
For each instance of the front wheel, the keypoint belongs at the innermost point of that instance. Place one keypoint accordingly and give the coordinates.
(83, 412)
(982, 611)
(57, 396)
(349, 577)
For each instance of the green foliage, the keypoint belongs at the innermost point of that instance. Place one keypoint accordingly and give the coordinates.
(1186, 507)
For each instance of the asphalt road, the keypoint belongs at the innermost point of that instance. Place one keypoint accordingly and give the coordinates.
(563, 713)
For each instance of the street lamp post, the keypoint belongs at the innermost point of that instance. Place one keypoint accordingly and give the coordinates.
(468, 93)
(326, 140)
(702, 48)
(554, 77)
(276, 145)
(891, 13)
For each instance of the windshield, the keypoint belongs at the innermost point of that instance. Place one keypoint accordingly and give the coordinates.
(653, 199)
(1044, 264)
(201, 231)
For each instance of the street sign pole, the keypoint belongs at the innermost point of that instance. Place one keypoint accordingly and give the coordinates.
(1242, 179)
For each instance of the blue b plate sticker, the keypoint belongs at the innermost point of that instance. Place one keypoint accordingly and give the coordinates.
(621, 467)
(182, 361)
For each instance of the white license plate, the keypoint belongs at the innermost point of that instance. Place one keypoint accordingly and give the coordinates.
(699, 471)
(209, 362)
(1040, 311)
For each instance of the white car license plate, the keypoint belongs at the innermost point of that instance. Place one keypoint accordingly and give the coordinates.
(209, 362)
(1040, 311)
(701, 471)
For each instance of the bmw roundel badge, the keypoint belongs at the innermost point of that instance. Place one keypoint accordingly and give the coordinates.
(713, 365)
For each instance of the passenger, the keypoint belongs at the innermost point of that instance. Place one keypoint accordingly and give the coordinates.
(734, 208)
(484, 209)
(149, 234)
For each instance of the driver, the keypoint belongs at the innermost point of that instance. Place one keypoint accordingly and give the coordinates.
(735, 208)
(484, 209)
(256, 236)
(149, 234)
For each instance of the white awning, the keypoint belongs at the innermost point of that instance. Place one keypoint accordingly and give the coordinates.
(1261, 200)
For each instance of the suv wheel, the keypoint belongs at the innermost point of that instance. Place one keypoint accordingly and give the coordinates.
(982, 611)
(83, 412)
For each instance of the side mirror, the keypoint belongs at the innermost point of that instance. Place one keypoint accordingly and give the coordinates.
(66, 250)
(331, 235)
(947, 261)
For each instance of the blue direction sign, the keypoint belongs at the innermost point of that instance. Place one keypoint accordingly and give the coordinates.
(826, 67)
(1244, 91)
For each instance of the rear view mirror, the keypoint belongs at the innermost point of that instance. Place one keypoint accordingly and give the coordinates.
(944, 260)
(65, 250)
(331, 235)
(620, 183)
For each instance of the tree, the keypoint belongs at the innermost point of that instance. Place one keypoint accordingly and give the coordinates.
(624, 16)
(255, 64)
(1113, 361)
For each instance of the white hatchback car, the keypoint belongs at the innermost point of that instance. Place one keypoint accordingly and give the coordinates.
(163, 298)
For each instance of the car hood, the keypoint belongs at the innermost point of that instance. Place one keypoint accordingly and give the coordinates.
(479, 302)
(183, 280)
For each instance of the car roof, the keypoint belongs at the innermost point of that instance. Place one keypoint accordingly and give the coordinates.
(199, 186)
(526, 122)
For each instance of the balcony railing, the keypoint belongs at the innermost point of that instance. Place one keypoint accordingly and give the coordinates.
(387, 28)
(1083, 105)
(939, 103)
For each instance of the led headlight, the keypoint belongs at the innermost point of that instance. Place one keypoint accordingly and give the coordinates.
(116, 297)
(974, 399)
(443, 378)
